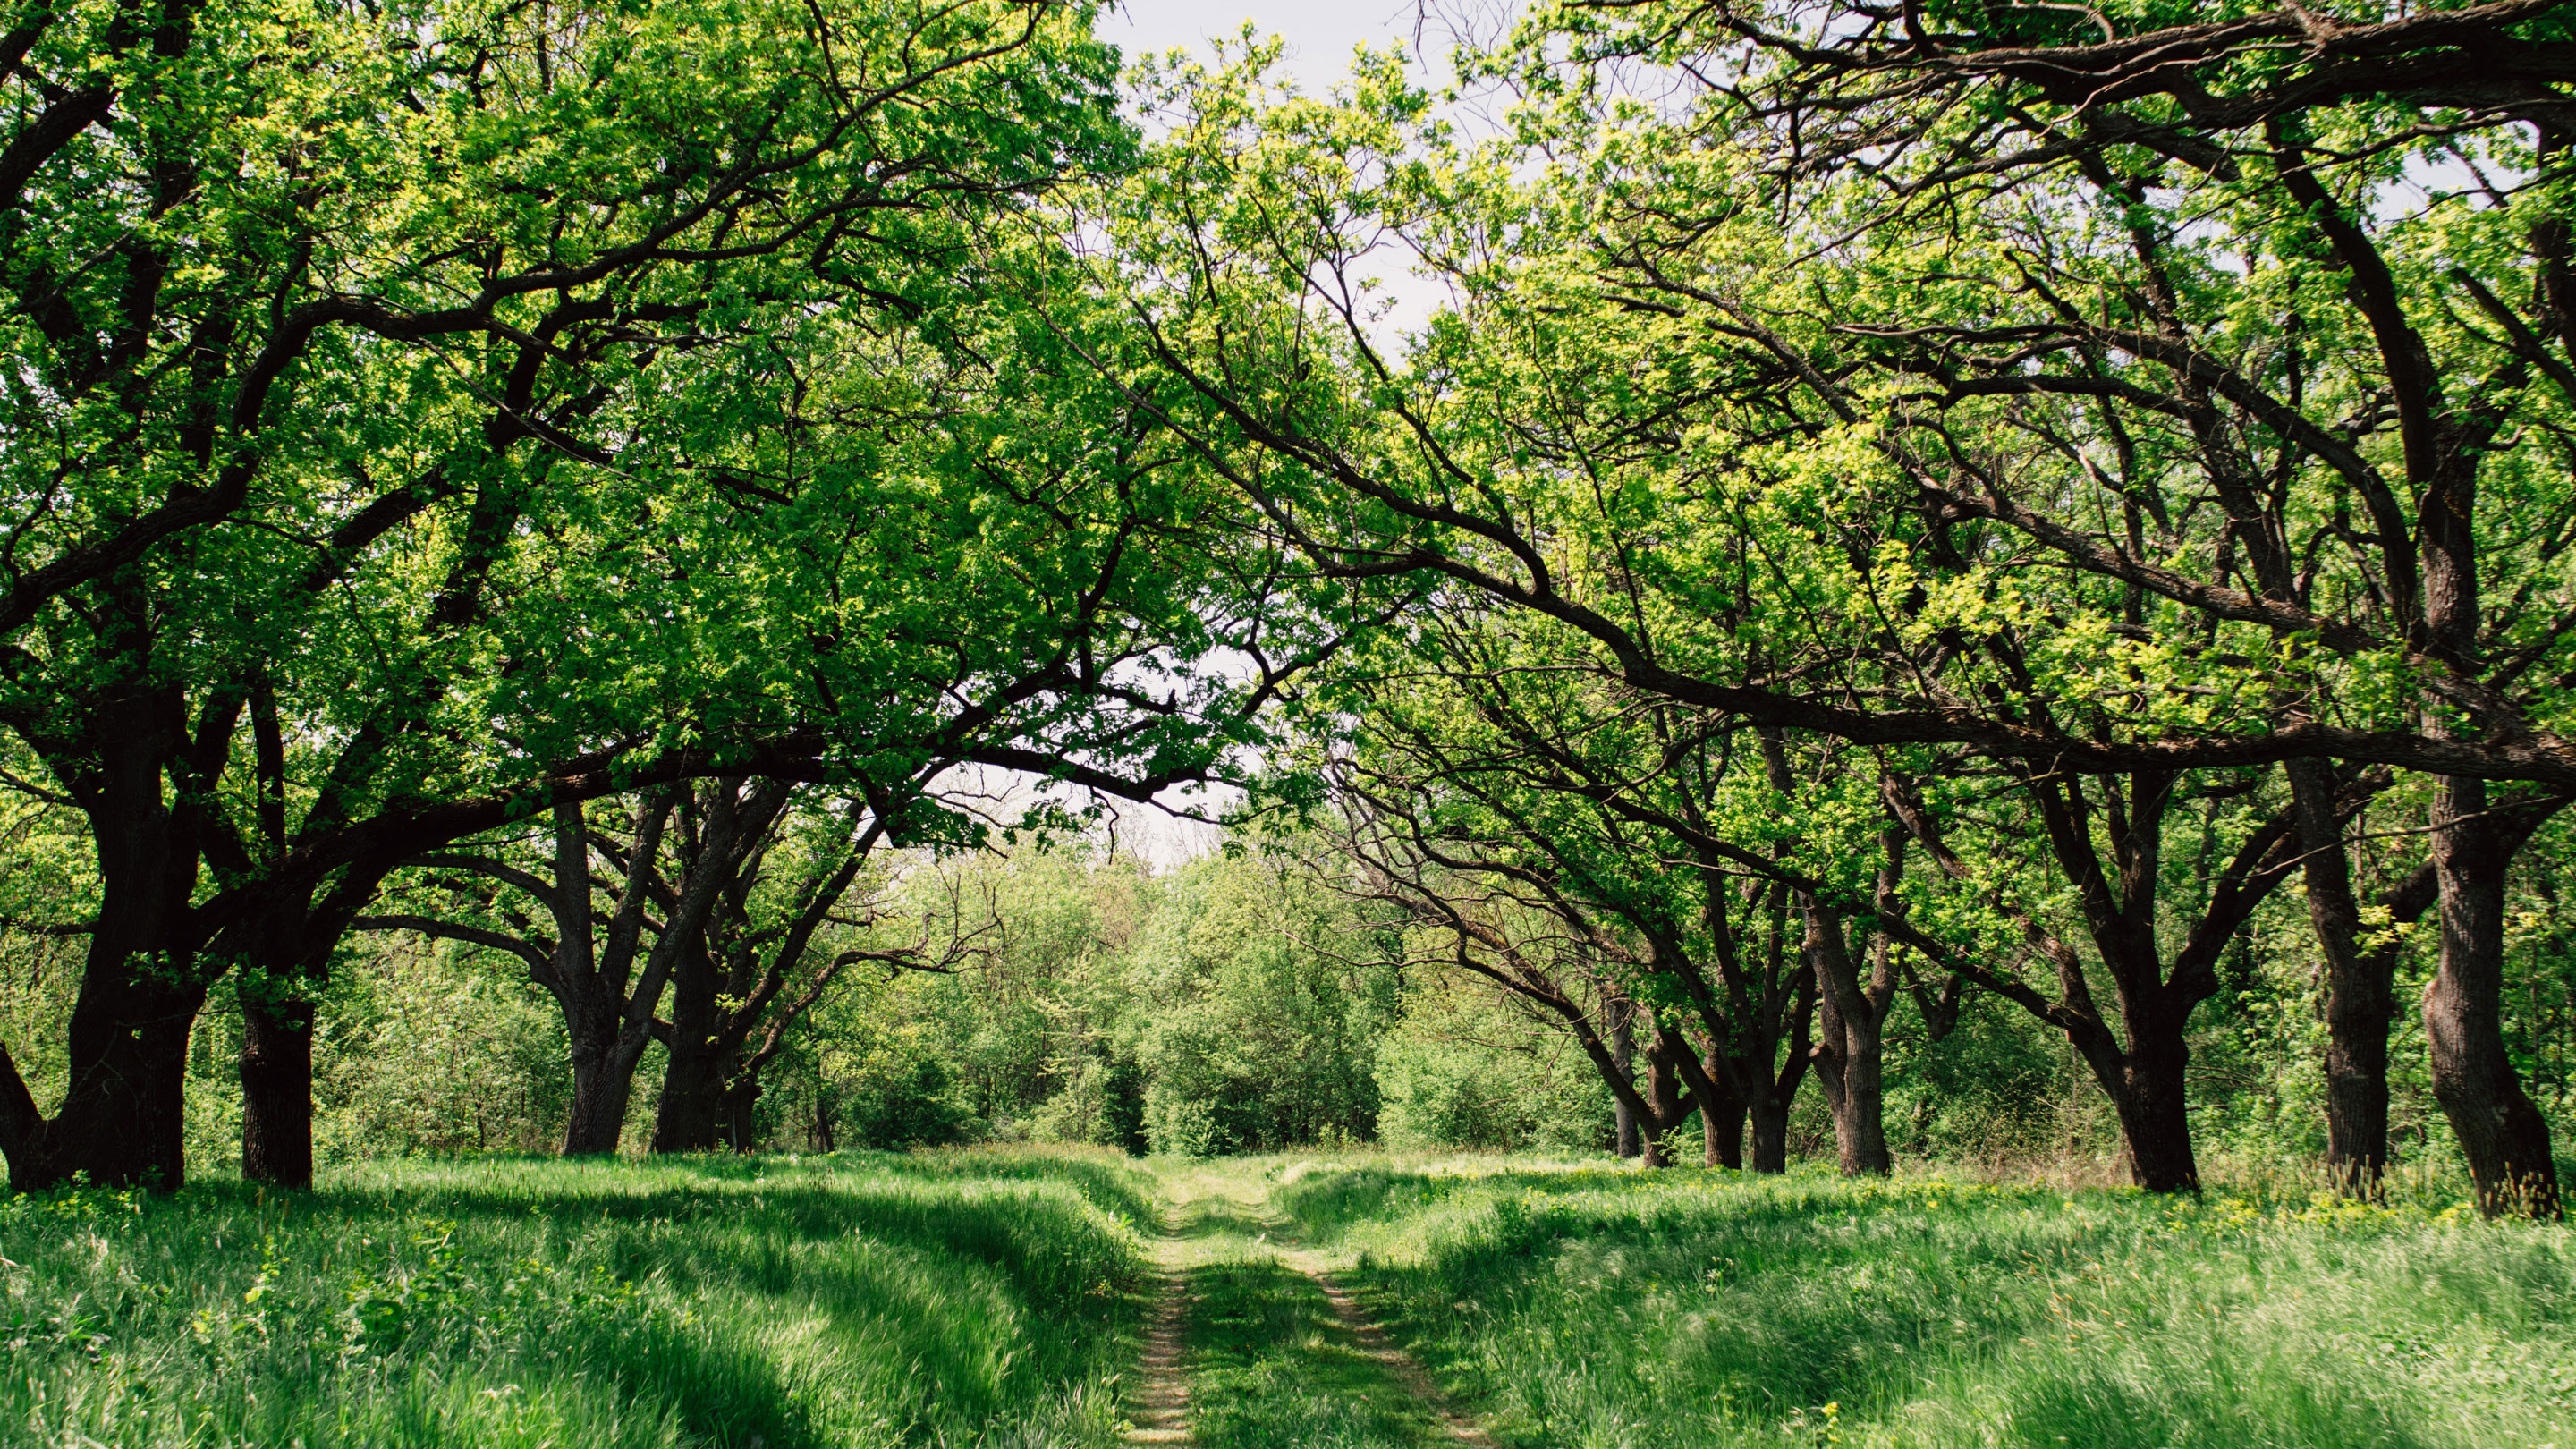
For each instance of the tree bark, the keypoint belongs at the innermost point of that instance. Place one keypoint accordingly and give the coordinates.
(2360, 987)
(1665, 1098)
(1850, 1054)
(1770, 1135)
(277, 1090)
(738, 1117)
(1851, 1057)
(604, 1053)
(2153, 1108)
(2500, 1129)
(122, 1119)
(1623, 1052)
(691, 1117)
(603, 1083)
(1721, 1122)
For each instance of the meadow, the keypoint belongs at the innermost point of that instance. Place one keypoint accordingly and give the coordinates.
(1587, 1308)
(997, 1297)
(769, 1303)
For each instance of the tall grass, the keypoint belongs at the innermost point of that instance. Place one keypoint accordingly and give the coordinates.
(1609, 1308)
(754, 1303)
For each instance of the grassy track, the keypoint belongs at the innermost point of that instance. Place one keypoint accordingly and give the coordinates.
(1269, 1361)
(1583, 1309)
(953, 1299)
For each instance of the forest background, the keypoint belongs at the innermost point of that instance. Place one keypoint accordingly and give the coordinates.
(1237, 1002)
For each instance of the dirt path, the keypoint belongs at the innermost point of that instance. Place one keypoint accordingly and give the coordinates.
(1398, 1364)
(1161, 1401)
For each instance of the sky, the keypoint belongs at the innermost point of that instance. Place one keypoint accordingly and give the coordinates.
(1320, 33)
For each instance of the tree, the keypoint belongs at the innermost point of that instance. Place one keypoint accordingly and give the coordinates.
(676, 935)
(572, 478)
(1580, 852)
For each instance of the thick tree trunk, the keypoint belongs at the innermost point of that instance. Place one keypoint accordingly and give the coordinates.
(123, 1117)
(162, 1046)
(2500, 1129)
(1860, 1127)
(277, 1090)
(285, 968)
(1721, 1124)
(2155, 1124)
(2358, 1011)
(122, 1123)
(1770, 1135)
(603, 1083)
(692, 1112)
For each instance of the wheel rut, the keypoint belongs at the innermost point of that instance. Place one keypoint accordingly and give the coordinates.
(1397, 1364)
(1310, 1373)
(1161, 1401)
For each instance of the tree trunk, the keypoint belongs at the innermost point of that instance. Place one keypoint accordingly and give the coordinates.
(1851, 1057)
(1623, 1051)
(603, 1083)
(1664, 1095)
(123, 1118)
(1721, 1124)
(2150, 1099)
(2360, 1006)
(1860, 1127)
(122, 1123)
(2500, 1129)
(277, 1089)
(738, 1117)
(2360, 988)
(1770, 1135)
(692, 1113)
(818, 1136)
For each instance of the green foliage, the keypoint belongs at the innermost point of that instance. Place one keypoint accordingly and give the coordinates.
(1463, 1069)
(914, 1109)
(419, 1050)
(1257, 1031)
(860, 1301)
(1227, 1006)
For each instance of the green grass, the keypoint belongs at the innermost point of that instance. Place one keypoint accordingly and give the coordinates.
(992, 1298)
(949, 1299)
(1272, 1367)
(1269, 1363)
(1609, 1308)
